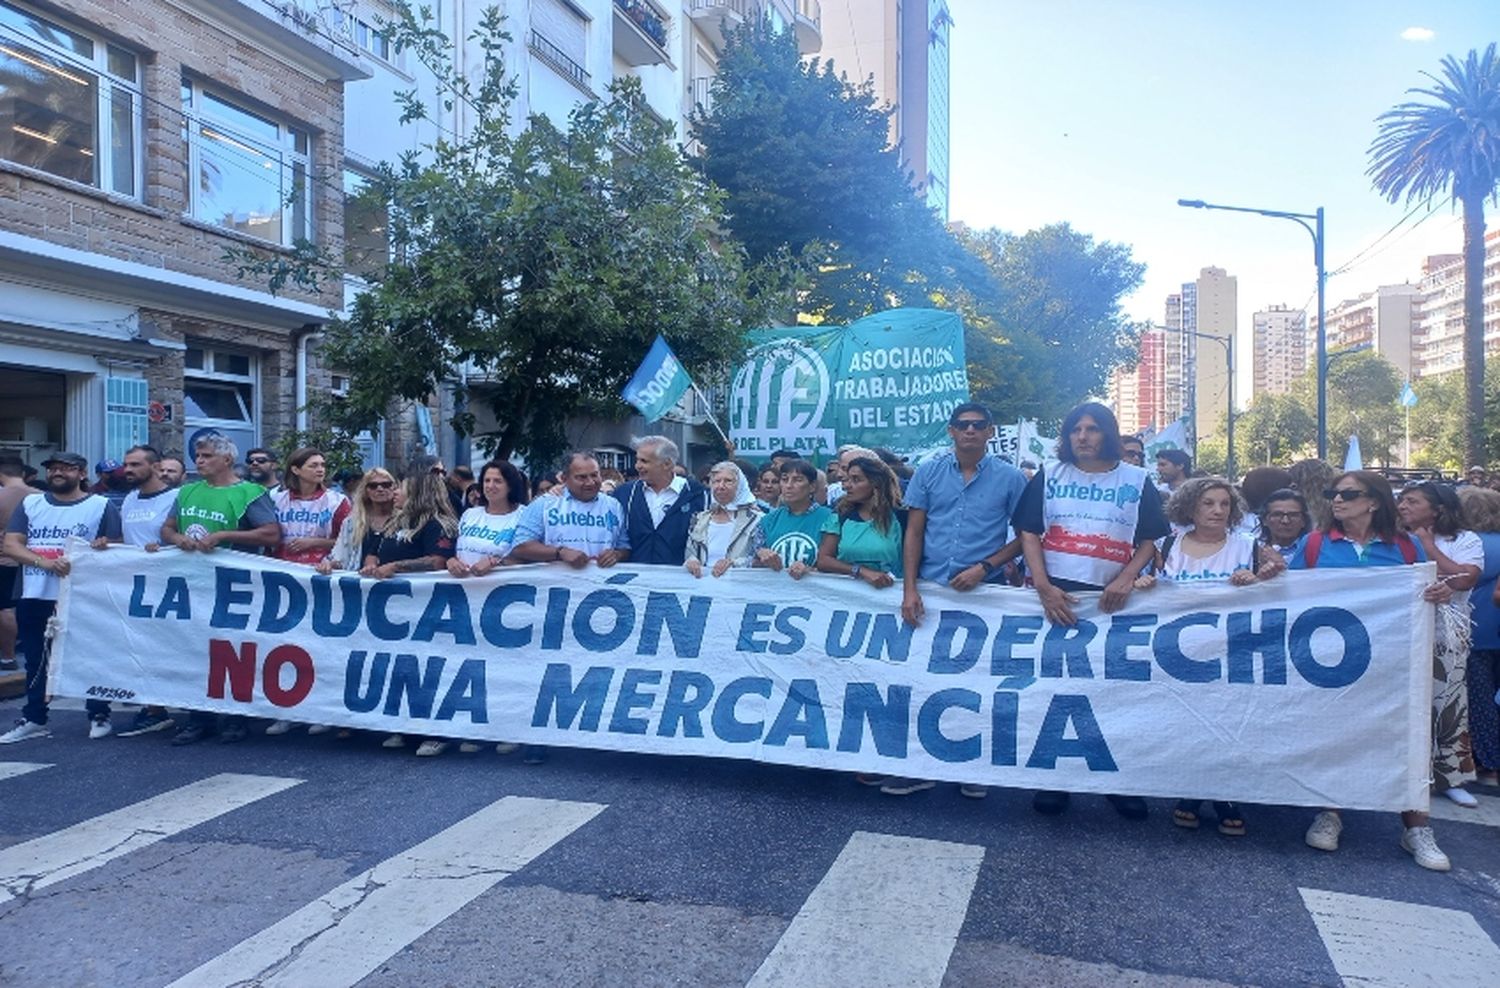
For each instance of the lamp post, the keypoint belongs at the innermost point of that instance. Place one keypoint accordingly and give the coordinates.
(1227, 342)
(1316, 232)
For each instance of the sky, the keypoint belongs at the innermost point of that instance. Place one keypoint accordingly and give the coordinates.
(1103, 113)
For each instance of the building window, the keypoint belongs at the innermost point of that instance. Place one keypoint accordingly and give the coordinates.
(365, 36)
(70, 103)
(560, 35)
(219, 392)
(366, 238)
(247, 171)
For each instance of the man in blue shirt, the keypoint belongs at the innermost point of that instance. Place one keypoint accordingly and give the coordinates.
(959, 505)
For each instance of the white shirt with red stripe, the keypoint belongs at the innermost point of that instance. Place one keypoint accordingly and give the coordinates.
(317, 517)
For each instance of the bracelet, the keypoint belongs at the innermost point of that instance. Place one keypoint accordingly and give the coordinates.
(989, 567)
(854, 571)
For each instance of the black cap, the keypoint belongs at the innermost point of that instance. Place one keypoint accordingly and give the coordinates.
(67, 460)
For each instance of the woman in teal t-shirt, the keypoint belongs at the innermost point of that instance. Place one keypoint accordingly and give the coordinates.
(863, 539)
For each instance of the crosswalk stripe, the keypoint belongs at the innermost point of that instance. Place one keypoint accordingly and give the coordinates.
(1487, 812)
(342, 936)
(888, 912)
(9, 770)
(1375, 943)
(47, 860)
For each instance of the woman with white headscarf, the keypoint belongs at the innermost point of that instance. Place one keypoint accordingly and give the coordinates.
(728, 533)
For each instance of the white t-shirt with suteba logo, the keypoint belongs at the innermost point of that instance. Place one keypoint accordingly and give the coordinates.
(1237, 552)
(1090, 521)
(142, 515)
(48, 523)
(591, 527)
(482, 535)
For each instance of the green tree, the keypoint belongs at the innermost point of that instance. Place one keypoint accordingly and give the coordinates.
(1275, 429)
(1363, 393)
(804, 160)
(544, 262)
(1046, 327)
(1449, 148)
(1437, 422)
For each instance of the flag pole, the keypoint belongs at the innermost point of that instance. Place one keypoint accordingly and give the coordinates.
(709, 414)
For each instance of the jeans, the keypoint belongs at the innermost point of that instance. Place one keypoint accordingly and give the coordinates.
(31, 628)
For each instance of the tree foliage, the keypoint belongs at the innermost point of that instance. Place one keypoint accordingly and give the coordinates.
(543, 262)
(1448, 147)
(1437, 422)
(804, 159)
(1275, 429)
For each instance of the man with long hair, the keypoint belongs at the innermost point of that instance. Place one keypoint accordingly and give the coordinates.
(1088, 523)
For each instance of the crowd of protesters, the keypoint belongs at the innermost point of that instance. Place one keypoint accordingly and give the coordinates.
(962, 518)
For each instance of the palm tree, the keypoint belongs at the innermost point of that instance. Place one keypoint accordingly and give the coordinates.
(1450, 147)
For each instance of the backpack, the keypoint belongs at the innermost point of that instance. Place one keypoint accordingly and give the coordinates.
(1314, 548)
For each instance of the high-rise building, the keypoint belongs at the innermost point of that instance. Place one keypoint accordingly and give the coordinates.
(902, 45)
(1138, 394)
(1215, 300)
(1438, 338)
(1174, 384)
(1280, 349)
(1382, 320)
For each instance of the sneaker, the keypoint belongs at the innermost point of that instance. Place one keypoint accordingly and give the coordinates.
(973, 791)
(431, 748)
(1461, 796)
(507, 748)
(905, 787)
(147, 721)
(468, 747)
(24, 731)
(9, 665)
(1325, 830)
(534, 754)
(99, 728)
(1422, 845)
(233, 732)
(1129, 807)
(871, 779)
(191, 734)
(278, 727)
(394, 741)
(315, 729)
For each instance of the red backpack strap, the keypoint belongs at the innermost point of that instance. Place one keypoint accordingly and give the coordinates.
(1407, 546)
(1313, 549)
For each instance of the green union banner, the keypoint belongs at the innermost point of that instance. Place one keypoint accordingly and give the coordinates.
(890, 379)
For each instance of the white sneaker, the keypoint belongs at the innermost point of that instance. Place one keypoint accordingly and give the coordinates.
(1422, 845)
(1461, 796)
(394, 741)
(431, 748)
(278, 727)
(99, 728)
(468, 747)
(314, 729)
(23, 731)
(506, 748)
(1324, 832)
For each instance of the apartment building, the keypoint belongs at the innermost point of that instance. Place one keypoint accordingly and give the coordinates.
(1139, 394)
(1280, 355)
(1383, 320)
(1437, 339)
(138, 141)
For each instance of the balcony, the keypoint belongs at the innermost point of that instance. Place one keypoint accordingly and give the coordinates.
(718, 18)
(703, 93)
(640, 33)
(807, 24)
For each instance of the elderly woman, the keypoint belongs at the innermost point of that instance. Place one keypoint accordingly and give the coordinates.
(863, 539)
(729, 533)
(1433, 515)
(1482, 512)
(1207, 510)
(1363, 533)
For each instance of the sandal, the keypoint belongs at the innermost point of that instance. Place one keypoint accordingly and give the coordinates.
(1185, 815)
(1231, 820)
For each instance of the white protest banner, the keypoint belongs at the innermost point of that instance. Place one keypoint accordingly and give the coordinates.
(1311, 689)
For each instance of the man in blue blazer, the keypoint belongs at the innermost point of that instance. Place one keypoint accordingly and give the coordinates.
(659, 507)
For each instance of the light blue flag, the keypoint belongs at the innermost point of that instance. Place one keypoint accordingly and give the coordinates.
(1408, 396)
(659, 383)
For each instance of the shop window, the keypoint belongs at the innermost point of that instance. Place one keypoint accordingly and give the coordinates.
(219, 392)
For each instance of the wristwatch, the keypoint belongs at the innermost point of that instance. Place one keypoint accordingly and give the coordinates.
(989, 567)
(854, 571)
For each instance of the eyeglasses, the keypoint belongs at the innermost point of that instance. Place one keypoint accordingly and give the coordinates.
(1346, 494)
(1284, 515)
(381, 485)
(258, 459)
(970, 425)
(439, 472)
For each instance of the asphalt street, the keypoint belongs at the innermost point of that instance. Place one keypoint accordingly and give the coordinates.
(310, 861)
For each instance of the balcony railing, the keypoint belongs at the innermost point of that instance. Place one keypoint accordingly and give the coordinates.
(807, 24)
(559, 60)
(719, 18)
(640, 32)
(703, 93)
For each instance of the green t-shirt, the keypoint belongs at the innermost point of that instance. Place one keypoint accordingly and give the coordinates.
(861, 543)
(203, 508)
(794, 537)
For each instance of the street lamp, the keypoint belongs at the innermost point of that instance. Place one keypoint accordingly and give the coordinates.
(1316, 231)
(1227, 342)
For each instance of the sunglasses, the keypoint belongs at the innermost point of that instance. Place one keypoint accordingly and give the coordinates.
(439, 472)
(970, 425)
(1284, 515)
(1346, 494)
(381, 485)
(259, 459)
